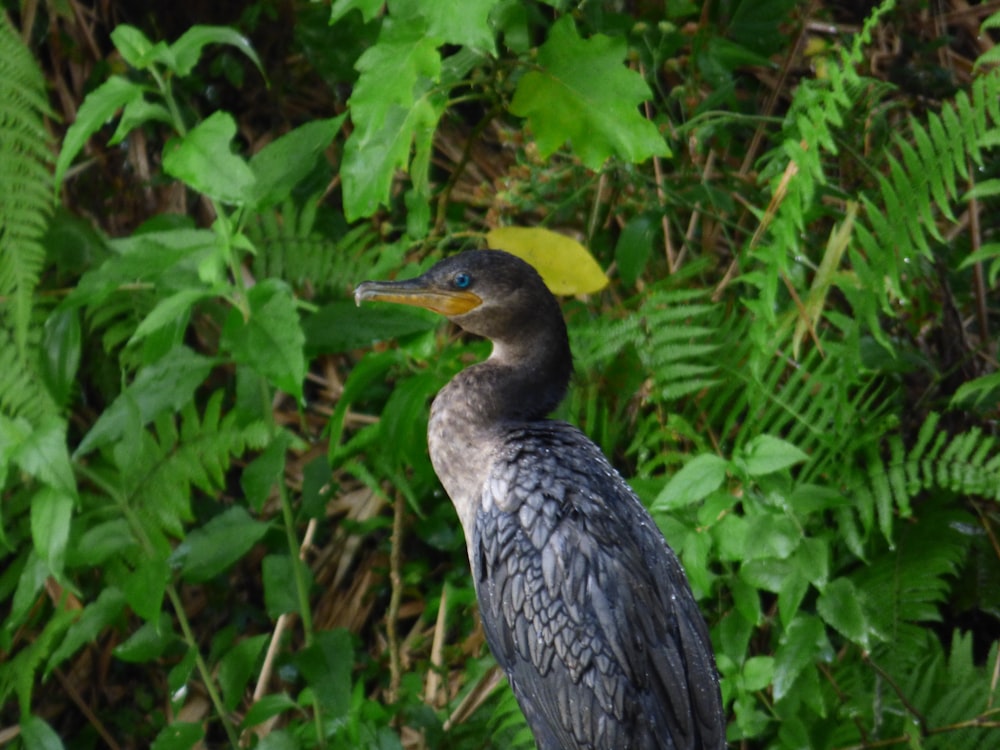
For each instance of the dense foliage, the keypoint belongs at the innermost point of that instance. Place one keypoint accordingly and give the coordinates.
(218, 521)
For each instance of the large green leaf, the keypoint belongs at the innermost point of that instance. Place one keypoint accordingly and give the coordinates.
(582, 93)
(203, 160)
(271, 341)
(283, 163)
(390, 105)
(211, 549)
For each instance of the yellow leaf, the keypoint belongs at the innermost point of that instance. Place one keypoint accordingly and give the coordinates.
(563, 263)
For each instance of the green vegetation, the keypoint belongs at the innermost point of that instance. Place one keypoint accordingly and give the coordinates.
(218, 521)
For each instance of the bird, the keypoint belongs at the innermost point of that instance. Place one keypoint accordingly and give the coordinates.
(584, 605)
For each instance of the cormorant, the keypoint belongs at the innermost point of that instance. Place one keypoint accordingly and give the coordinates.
(584, 605)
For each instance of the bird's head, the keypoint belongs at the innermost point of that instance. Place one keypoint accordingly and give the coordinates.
(489, 293)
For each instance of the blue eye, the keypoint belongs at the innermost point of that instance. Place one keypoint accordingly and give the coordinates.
(462, 280)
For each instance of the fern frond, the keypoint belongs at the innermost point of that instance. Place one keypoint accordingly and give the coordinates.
(951, 693)
(25, 182)
(160, 468)
(909, 582)
(675, 333)
(21, 391)
(921, 183)
(290, 248)
(968, 463)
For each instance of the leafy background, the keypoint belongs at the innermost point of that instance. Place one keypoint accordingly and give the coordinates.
(219, 523)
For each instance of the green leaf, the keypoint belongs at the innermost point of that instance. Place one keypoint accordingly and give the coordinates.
(180, 735)
(96, 110)
(462, 22)
(326, 665)
(211, 549)
(145, 585)
(840, 607)
(135, 47)
(343, 326)
(236, 667)
(583, 94)
(203, 160)
(803, 643)
(187, 50)
(635, 245)
(390, 106)
(368, 8)
(163, 386)
(59, 354)
(766, 455)
(138, 112)
(266, 707)
(271, 341)
(167, 311)
(757, 673)
(37, 735)
(263, 472)
(698, 478)
(148, 642)
(775, 535)
(39, 451)
(279, 595)
(51, 513)
(283, 163)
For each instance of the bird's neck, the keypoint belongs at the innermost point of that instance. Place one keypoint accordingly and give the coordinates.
(521, 382)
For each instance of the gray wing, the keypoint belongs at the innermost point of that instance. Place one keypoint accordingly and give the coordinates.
(585, 606)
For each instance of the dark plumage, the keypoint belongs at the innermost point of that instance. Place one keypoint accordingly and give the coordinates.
(584, 605)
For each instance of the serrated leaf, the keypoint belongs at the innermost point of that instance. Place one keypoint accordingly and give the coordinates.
(283, 163)
(840, 607)
(766, 454)
(698, 478)
(271, 341)
(564, 264)
(209, 550)
(463, 22)
(582, 93)
(390, 106)
(163, 386)
(203, 160)
(96, 110)
(187, 49)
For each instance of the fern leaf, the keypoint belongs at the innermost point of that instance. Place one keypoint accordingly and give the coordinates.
(159, 468)
(25, 183)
